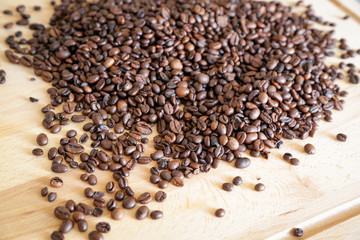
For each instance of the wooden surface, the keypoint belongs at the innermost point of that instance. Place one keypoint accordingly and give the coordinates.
(321, 195)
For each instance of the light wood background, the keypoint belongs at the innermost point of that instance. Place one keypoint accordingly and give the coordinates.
(322, 195)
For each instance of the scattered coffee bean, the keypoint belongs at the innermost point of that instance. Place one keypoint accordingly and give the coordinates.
(98, 212)
(103, 227)
(309, 149)
(259, 187)
(163, 184)
(144, 198)
(160, 196)
(298, 232)
(157, 214)
(142, 212)
(242, 162)
(92, 179)
(88, 192)
(341, 137)
(110, 187)
(52, 196)
(220, 212)
(32, 99)
(129, 203)
(59, 168)
(228, 187)
(70, 204)
(3, 75)
(94, 235)
(37, 152)
(237, 181)
(57, 236)
(77, 216)
(61, 212)
(287, 156)
(44, 191)
(117, 213)
(294, 161)
(66, 226)
(82, 225)
(56, 182)
(84, 177)
(42, 139)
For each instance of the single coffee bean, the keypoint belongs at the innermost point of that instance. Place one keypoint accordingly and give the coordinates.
(298, 232)
(32, 99)
(44, 191)
(154, 179)
(94, 235)
(259, 187)
(52, 196)
(37, 152)
(228, 187)
(237, 181)
(57, 236)
(309, 149)
(56, 182)
(177, 181)
(287, 156)
(117, 214)
(59, 168)
(84, 177)
(119, 195)
(61, 212)
(220, 212)
(99, 202)
(74, 148)
(66, 226)
(92, 179)
(110, 187)
(82, 225)
(42, 139)
(77, 216)
(142, 212)
(341, 137)
(242, 162)
(103, 227)
(160, 196)
(145, 198)
(70, 204)
(157, 214)
(129, 202)
(294, 161)
(52, 153)
(111, 204)
(163, 184)
(98, 212)
(88, 192)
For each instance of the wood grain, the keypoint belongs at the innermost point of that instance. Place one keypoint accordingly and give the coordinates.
(321, 195)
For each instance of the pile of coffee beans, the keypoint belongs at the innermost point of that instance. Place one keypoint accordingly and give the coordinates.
(217, 78)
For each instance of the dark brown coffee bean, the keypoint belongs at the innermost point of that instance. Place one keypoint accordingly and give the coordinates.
(56, 182)
(32, 99)
(99, 202)
(177, 181)
(129, 202)
(42, 139)
(309, 149)
(142, 212)
(57, 236)
(160, 196)
(37, 152)
(341, 137)
(92, 179)
(228, 187)
(77, 216)
(103, 227)
(163, 184)
(88, 192)
(74, 148)
(66, 226)
(52, 196)
(84, 177)
(94, 235)
(294, 161)
(157, 155)
(143, 128)
(117, 214)
(237, 181)
(59, 168)
(98, 212)
(287, 156)
(157, 214)
(44, 191)
(84, 138)
(86, 209)
(298, 232)
(70, 204)
(111, 204)
(154, 179)
(61, 212)
(220, 212)
(144, 198)
(259, 187)
(242, 162)
(82, 225)
(119, 195)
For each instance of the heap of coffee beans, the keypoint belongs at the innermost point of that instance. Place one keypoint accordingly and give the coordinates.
(217, 78)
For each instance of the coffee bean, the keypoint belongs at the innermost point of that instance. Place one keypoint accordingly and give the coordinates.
(92, 179)
(59, 168)
(220, 212)
(259, 187)
(74, 148)
(177, 181)
(157, 155)
(228, 187)
(77, 216)
(144, 198)
(99, 202)
(61, 212)
(237, 181)
(160, 196)
(84, 177)
(309, 149)
(56, 182)
(129, 202)
(119, 195)
(298, 232)
(98, 212)
(157, 214)
(82, 225)
(57, 236)
(242, 162)
(163, 184)
(70, 204)
(37, 152)
(88, 192)
(94, 235)
(142, 212)
(154, 179)
(294, 161)
(110, 187)
(42, 139)
(44, 191)
(103, 227)
(143, 128)
(341, 137)
(287, 156)
(52, 196)
(66, 226)
(117, 214)
(32, 99)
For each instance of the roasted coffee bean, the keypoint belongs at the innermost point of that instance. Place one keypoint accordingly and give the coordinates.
(144, 198)
(111, 204)
(163, 184)
(57, 236)
(92, 179)
(242, 162)
(160, 196)
(99, 202)
(82, 225)
(84, 177)
(259, 187)
(294, 161)
(298, 232)
(98, 212)
(77, 216)
(117, 214)
(341, 137)
(84, 138)
(66, 226)
(119, 195)
(142, 212)
(42, 139)
(86, 209)
(157, 214)
(220, 212)
(110, 187)
(70, 204)
(309, 149)
(61, 212)
(2, 72)
(32, 99)
(44, 191)
(59, 168)
(52, 153)
(129, 202)
(88, 192)
(56, 182)
(94, 235)
(37, 152)
(237, 181)
(287, 156)
(74, 148)
(103, 227)
(177, 181)
(154, 179)
(143, 128)
(52, 196)
(228, 187)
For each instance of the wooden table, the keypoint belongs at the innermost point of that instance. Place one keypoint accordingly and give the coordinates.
(321, 195)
